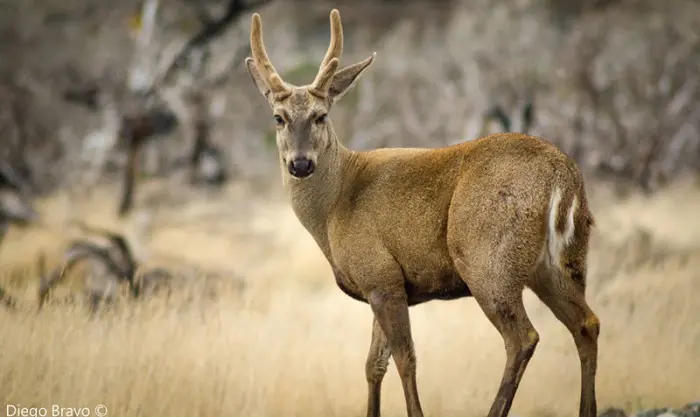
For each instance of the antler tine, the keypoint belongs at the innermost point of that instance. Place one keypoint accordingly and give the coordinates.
(331, 61)
(335, 48)
(262, 60)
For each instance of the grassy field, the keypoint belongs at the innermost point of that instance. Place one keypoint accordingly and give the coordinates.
(291, 344)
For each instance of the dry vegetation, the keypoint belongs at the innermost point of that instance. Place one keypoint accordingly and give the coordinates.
(292, 344)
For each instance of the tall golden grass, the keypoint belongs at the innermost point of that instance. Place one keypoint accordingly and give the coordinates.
(291, 344)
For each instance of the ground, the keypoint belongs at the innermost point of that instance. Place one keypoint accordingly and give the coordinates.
(292, 344)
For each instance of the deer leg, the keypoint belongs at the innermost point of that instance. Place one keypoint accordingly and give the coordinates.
(567, 302)
(375, 368)
(391, 312)
(503, 305)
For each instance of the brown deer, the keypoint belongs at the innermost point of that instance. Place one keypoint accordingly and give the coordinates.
(485, 218)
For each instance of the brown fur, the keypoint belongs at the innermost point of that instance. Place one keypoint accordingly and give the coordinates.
(405, 226)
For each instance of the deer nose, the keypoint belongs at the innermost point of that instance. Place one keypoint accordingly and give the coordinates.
(301, 167)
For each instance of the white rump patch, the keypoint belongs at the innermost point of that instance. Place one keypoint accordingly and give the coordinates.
(556, 242)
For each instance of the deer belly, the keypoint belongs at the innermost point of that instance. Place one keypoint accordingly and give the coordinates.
(435, 284)
(347, 285)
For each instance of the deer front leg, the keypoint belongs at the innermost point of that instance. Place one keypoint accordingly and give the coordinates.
(375, 368)
(391, 312)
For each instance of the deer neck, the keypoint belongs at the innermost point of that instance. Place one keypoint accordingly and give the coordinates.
(313, 199)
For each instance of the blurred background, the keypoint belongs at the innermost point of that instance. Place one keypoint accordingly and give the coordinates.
(139, 117)
(614, 83)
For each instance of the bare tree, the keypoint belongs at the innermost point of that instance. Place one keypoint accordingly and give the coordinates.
(640, 104)
(169, 83)
(110, 266)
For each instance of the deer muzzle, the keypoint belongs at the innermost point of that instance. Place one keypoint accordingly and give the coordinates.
(301, 167)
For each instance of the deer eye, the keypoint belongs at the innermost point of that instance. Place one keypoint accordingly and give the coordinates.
(279, 120)
(321, 119)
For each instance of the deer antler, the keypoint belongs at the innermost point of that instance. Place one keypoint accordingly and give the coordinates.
(262, 60)
(332, 59)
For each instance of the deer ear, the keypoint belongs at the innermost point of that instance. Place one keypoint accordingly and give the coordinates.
(345, 79)
(257, 78)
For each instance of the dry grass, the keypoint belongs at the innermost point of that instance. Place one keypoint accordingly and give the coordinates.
(293, 345)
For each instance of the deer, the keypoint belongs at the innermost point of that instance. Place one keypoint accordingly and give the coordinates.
(403, 226)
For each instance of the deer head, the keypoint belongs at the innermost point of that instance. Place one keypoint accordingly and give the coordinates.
(304, 130)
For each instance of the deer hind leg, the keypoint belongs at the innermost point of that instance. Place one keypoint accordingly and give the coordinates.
(563, 291)
(375, 368)
(500, 297)
(391, 312)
